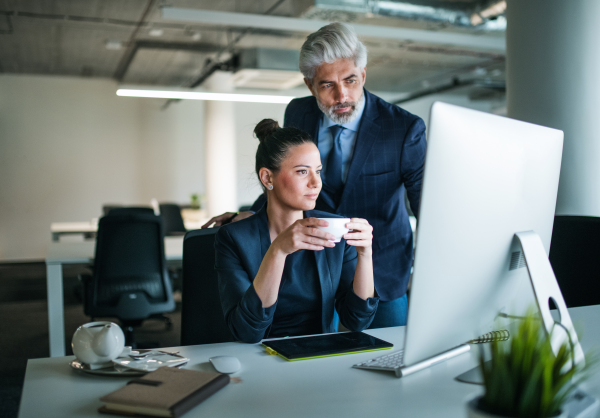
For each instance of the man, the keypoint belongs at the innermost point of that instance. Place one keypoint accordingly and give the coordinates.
(372, 152)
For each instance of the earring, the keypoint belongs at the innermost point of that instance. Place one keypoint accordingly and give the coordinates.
(270, 187)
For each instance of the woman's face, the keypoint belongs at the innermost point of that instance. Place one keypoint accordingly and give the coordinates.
(298, 183)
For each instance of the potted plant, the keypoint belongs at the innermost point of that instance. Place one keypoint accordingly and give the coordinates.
(524, 378)
(195, 201)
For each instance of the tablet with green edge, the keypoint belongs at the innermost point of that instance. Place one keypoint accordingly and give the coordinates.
(325, 345)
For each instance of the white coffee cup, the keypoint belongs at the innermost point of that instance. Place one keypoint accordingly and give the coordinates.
(337, 227)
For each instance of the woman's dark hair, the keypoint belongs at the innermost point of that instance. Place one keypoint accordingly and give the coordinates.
(275, 142)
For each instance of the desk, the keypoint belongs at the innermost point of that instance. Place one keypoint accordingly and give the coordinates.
(89, 229)
(273, 387)
(78, 253)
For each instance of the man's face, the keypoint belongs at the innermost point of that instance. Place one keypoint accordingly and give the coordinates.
(338, 88)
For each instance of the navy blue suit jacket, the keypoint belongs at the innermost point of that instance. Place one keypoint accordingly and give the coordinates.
(239, 250)
(388, 159)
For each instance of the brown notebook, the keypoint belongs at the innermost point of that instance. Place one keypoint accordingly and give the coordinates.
(166, 392)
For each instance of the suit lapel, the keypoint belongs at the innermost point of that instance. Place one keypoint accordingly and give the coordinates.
(368, 133)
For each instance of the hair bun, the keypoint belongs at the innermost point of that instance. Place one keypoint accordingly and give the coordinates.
(264, 128)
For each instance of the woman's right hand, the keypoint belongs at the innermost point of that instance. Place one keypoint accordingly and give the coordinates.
(304, 235)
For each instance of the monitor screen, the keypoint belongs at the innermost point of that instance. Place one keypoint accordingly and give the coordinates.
(486, 177)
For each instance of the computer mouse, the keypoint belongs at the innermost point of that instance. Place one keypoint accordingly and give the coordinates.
(225, 364)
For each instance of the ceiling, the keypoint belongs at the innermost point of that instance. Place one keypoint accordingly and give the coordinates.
(131, 42)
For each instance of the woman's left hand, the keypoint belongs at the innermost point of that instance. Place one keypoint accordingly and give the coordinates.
(360, 235)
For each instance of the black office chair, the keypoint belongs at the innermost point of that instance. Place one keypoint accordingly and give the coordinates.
(202, 319)
(172, 220)
(130, 280)
(128, 210)
(575, 258)
(108, 207)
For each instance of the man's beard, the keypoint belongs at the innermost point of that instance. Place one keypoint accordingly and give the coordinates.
(346, 117)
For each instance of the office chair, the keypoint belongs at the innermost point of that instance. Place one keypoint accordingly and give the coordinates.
(202, 319)
(575, 258)
(126, 210)
(108, 207)
(130, 280)
(172, 220)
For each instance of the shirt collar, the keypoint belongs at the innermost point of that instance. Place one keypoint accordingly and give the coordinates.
(353, 126)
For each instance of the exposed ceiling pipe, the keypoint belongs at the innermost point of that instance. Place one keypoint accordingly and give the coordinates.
(488, 17)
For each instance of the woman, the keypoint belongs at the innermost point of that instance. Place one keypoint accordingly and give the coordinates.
(279, 275)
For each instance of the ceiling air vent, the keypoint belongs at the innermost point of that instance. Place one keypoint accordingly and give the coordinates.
(266, 68)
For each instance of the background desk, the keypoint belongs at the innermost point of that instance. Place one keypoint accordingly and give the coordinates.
(273, 387)
(89, 229)
(78, 253)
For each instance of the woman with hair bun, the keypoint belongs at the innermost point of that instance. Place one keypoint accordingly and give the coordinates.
(279, 275)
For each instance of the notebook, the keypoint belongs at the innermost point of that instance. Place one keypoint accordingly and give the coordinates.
(325, 345)
(166, 392)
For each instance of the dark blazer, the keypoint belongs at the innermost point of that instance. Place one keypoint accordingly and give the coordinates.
(388, 159)
(239, 250)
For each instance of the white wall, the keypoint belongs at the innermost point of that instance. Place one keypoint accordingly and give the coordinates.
(247, 116)
(66, 146)
(171, 150)
(69, 145)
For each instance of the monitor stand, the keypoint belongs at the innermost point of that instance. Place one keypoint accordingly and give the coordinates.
(545, 289)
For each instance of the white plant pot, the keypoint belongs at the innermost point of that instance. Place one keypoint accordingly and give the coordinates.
(473, 410)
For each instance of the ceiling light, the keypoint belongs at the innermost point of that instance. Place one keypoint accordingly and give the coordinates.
(197, 95)
(156, 32)
(113, 45)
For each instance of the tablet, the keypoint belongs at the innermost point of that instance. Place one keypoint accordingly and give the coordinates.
(302, 348)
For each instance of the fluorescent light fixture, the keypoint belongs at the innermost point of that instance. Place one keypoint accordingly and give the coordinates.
(198, 95)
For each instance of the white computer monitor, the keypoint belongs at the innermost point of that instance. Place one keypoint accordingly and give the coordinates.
(486, 178)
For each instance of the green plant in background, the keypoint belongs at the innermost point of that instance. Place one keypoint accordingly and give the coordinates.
(524, 378)
(195, 201)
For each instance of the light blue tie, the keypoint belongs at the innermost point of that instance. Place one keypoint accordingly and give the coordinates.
(333, 172)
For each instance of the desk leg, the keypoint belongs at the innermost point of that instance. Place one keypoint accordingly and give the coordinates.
(56, 315)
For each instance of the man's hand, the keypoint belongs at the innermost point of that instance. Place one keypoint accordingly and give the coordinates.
(226, 218)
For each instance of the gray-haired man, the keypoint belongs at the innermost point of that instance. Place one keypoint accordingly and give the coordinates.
(372, 151)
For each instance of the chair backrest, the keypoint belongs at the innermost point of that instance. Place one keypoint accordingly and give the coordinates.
(108, 207)
(575, 258)
(130, 279)
(172, 219)
(202, 320)
(128, 210)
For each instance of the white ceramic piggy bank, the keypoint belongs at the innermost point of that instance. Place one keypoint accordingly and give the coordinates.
(98, 342)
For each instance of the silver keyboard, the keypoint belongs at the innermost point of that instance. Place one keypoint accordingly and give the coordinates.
(389, 362)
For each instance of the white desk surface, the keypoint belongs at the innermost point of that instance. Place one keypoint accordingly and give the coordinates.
(273, 387)
(89, 227)
(83, 252)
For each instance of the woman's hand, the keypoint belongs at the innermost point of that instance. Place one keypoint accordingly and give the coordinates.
(304, 235)
(360, 235)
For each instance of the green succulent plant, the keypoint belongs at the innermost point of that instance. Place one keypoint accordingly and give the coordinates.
(524, 378)
(195, 201)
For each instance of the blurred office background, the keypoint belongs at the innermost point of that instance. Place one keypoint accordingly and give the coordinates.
(69, 145)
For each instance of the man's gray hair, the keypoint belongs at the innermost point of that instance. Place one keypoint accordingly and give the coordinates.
(329, 44)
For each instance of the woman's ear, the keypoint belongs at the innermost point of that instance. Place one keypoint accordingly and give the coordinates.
(266, 177)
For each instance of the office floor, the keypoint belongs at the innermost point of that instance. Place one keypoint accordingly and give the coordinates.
(24, 325)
